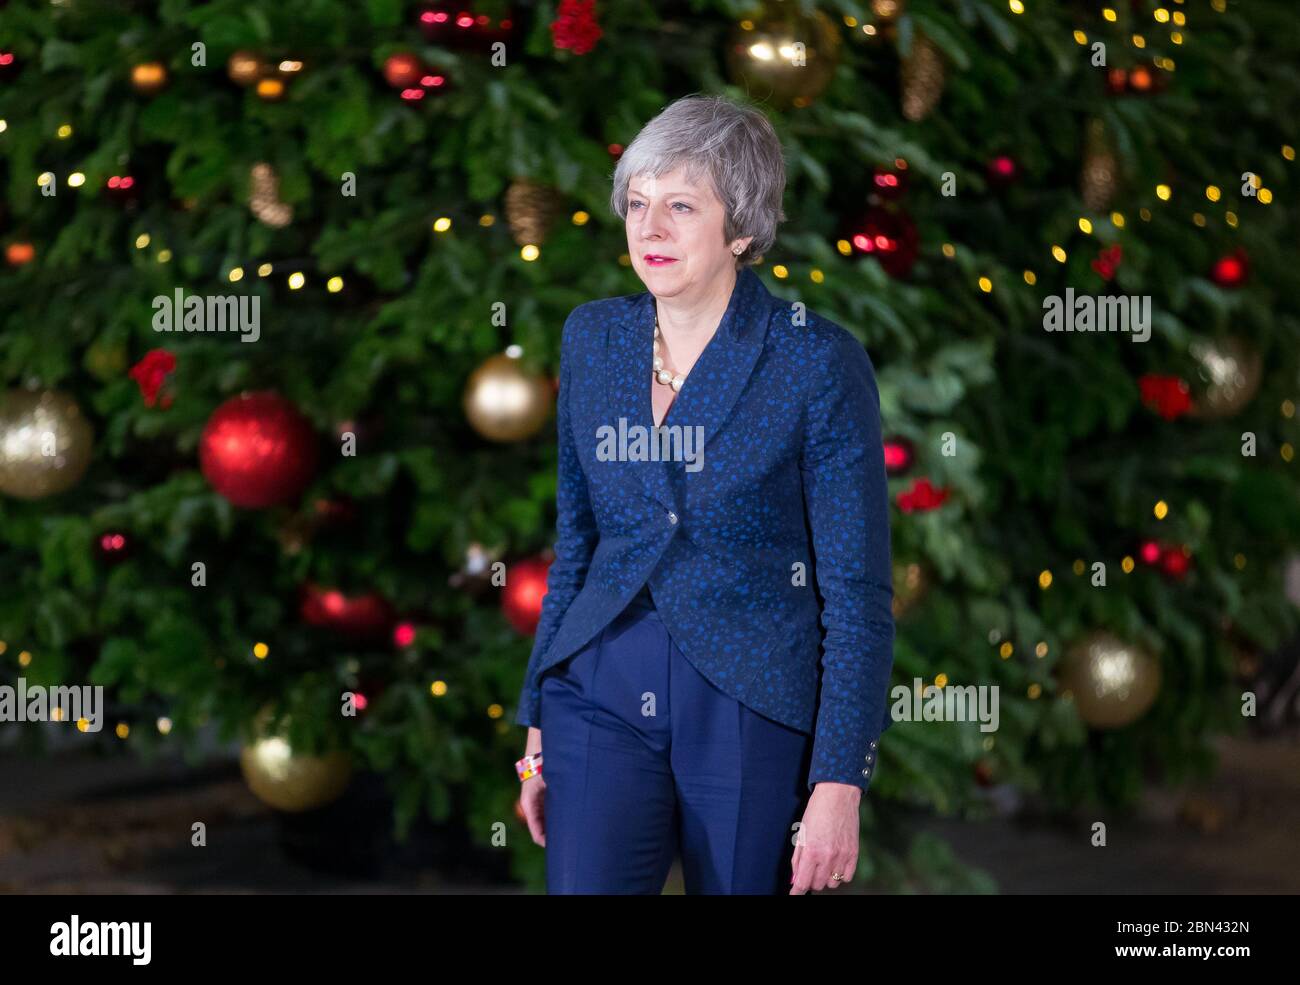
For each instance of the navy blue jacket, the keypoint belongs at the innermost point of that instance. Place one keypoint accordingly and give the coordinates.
(785, 524)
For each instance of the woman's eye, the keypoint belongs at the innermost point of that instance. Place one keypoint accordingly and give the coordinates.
(633, 205)
(683, 205)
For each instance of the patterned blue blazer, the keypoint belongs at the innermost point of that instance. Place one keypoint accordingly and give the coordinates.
(775, 528)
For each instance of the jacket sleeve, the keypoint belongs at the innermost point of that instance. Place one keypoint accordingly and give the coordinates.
(847, 499)
(576, 537)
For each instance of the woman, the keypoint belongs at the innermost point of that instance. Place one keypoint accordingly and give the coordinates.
(675, 675)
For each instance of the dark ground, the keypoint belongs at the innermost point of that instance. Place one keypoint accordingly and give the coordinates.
(78, 823)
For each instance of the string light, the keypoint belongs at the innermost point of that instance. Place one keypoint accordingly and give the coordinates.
(1085, 225)
(1031, 278)
(1161, 510)
(1058, 253)
(438, 688)
(1164, 192)
(261, 651)
(530, 252)
(142, 241)
(76, 179)
(64, 131)
(1044, 579)
(334, 284)
(1127, 564)
(441, 224)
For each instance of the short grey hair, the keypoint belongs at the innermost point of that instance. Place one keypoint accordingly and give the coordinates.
(733, 146)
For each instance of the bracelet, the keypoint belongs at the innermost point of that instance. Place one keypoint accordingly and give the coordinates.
(529, 766)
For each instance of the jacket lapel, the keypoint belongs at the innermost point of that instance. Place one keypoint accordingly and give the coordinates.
(714, 383)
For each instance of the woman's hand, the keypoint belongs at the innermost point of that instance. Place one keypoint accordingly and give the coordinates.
(532, 792)
(827, 841)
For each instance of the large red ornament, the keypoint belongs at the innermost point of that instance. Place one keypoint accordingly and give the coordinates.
(521, 601)
(368, 616)
(257, 450)
(890, 237)
(1231, 270)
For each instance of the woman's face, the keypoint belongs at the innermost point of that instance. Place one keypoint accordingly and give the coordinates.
(674, 234)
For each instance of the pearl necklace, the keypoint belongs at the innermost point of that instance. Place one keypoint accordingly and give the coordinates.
(659, 373)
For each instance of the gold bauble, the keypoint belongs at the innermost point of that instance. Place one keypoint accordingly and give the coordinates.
(1227, 376)
(1113, 682)
(245, 68)
(45, 443)
(530, 211)
(1099, 178)
(290, 781)
(504, 402)
(911, 583)
(782, 57)
(923, 74)
(148, 77)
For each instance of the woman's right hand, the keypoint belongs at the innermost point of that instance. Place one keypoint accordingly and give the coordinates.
(532, 793)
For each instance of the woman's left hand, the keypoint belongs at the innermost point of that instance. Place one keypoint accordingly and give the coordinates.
(827, 842)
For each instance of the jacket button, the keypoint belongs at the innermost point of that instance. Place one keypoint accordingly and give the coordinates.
(672, 517)
(872, 744)
(867, 771)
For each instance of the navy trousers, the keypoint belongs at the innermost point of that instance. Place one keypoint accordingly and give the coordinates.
(644, 759)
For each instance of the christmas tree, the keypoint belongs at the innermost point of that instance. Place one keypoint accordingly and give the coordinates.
(282, 299)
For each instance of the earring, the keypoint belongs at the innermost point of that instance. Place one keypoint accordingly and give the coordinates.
(739, 250)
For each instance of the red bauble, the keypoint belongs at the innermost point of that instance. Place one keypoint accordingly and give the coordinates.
(402, 70)
(1168, 396)
(521, 601)
(1175, 562)
(890, 184)
(359, 617)
(900, 453)
(1231, 270)
(890, 237)
(257, 450)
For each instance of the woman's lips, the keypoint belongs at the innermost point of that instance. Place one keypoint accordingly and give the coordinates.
(659, 261)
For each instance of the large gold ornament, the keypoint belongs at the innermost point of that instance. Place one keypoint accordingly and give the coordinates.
(530, 211)
(288, 780)
(923, 74)
(45, 443)
(782, 57)
(1113, 682)
(504, 402)
(1227, 376)
(1099, 178)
